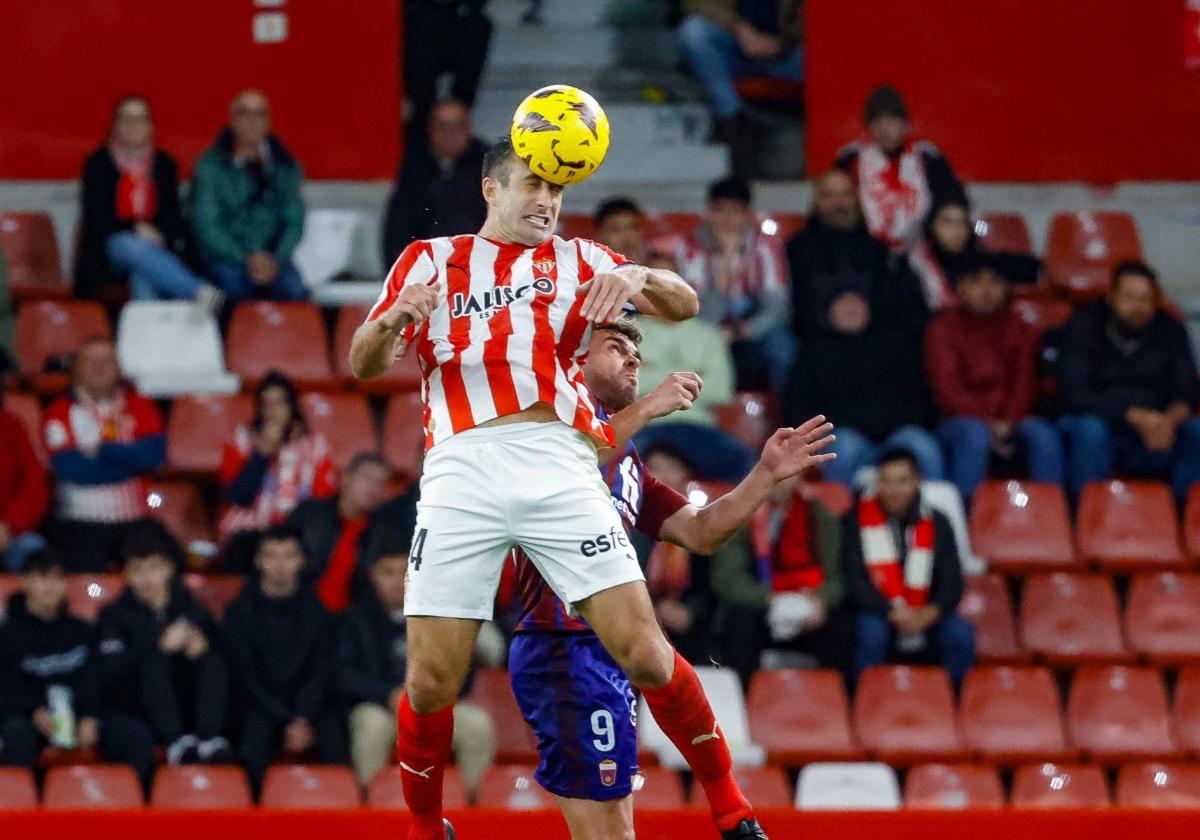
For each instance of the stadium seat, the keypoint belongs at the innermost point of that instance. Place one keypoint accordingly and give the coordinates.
(660, 788)
(848, 786)
(800, 716)
(747, 417)
(905, 715)
(285, 337)
(92, 786)
(1157, 785)
(1004, 232)
(30, 251)
(952, 787)
(404, 436)
(1082, 248)
(403, 375)
(512, 787)
(9, 585)
(766, 787)
(514, 740)
(214, 591)
(1191, 522)
(199, 427)
(1072, 619)
(837, 498)
(179, 506)
(385, 792)
(1162, 616)
(724, 691)
(1128, 526)
(53, 330)
(1117, 714)
(336, 240)
(29, 411)
(87, 594)
(1185, 711)
(17, 789)
(200, 787)
(1042, 314)
(575, 225)
(309, 786)
(987, 604)
(345, 422)
(1022, 526)
(172, 347)
(665, 225)
(1013, 715)
(1059, 786)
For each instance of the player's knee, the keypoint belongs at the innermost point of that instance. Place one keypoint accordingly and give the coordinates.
(649, 660)
(430, 688)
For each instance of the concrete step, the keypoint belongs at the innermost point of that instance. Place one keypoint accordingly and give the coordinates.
(560, 49)
(667, 165)
(634, 123)
(578, 12)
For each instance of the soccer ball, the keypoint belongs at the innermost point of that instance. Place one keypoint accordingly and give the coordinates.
(561, 132)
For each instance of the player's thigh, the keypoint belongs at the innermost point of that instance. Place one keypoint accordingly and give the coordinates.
(624, 620)
(439, 654)
(590, 820)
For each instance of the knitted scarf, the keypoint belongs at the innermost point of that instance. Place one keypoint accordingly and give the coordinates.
(788, 560)
(908, 584)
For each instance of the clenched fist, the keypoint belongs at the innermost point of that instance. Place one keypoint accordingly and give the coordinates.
(412, 307)
(675, 393)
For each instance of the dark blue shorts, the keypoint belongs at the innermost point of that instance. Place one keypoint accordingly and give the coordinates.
(582, 709)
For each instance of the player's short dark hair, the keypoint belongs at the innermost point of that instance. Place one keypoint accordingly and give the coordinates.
(498, 160)
(898, 455)
(615, 207)
(388, 542)
(624, 325)
(733, 189)
(1133, 268)
(44, 561)
(148, 537)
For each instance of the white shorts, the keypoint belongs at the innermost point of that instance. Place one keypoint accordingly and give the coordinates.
(485, 491)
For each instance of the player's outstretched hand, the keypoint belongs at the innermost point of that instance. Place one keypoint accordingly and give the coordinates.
(675, 393)
(607, 294)
(412, 307)
(790, 451)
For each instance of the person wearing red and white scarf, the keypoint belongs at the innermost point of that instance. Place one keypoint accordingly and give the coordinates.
(903, 578)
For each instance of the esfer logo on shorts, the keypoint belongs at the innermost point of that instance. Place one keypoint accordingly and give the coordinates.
(608, 772)
(485, 305)
(614, 539)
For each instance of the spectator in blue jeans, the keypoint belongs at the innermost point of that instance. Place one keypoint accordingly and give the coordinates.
(1129, 388)
(980, 357)
(902, 575)
(249, 216)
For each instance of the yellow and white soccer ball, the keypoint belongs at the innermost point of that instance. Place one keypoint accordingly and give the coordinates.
(561, 132)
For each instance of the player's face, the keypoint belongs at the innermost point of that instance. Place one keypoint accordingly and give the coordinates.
(524, 207)
(149, 577)
(387, 575)
(612, 369)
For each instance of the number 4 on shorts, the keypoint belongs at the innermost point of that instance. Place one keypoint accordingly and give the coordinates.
(414, 556)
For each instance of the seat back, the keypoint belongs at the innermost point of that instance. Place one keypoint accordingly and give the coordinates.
(1185, 712)
(87, 594)
(30, 251)
(514, 740)
(746, 417)
(1159, 785)
(215, 591)
(345, 422)
(48, 329)
(661, 788)
(953, 787)
(1022, 526)
(172, 347)
(179, 506)
(308, 786)
(781, 224)
(17, 789)
(1004, 232)
(1191, 522)
(576, 226)
(1059, 786)
(200, 426)
(403, 375)
(92, 786)
(386, 793)
(800, 716)
(766, 787)
(848, 786)
(200, 787)
(28, 410)
(724, 691)
(836, 498)
(1010, 715)
(1071, 618)
(1117, 714)
(904, 714)
(987, 604)
(1162, 616)
(1042, 314)
(336, 240)
(286, 337)
(1083, 247)
(404, 435)
(1129, 525)
(512, 787)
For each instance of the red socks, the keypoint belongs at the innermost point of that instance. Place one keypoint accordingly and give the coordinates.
(423, 747)
(684, 714)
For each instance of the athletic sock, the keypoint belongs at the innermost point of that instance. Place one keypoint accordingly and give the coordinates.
(684, 714)
(423, 747)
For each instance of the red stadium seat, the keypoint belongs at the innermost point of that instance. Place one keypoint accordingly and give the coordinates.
(48, 329)
(179, 506)
(345, 422)
(514, 740)
(92, 786)
(285, 337)
(17, 789)
(1129, 526)
(199, 787)
(1013, 715)
(9, 585)
(404, 436)
(1157, 785)
(766, 787)
(988, 606)
(87, 594)
(1059, 786)
(1004, 232)
(1117, 714)
(403, 375)
(199, 427)
(1082, 248)
(905, 715)
(214, 591)
(576, 226)
(1185, 712)
(1161, 617)
(660, 225)
(309, 786)
(836, 498)
(1043, 315)
(30, 251)
(29, 411)
(512, 788)
(1071, 619)
(385, 793)
(801, 716)
(661, 788)
(1191, 522)
(953, 786)
(747, 417)
(1022, 526)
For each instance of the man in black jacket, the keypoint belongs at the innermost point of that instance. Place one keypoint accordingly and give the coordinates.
(51, 680)
(278, 640)
(1129, 387)
(157, 645)
(903, 579)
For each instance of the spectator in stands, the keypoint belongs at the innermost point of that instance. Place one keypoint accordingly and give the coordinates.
(437, 188)
(249, 215)
(981, 359)
(900, 178)
(778, 584)
(903, 579)
(835, 253)
(371, 658)
(24, 494)
(157, 645)
(132, 228)
(1129, 387)
(741, 277)
(334, 530)
(51, 681)
(104, 439)
(279, 642)
(868, 380)
(620, 224)
(443, 37)
(270, 466)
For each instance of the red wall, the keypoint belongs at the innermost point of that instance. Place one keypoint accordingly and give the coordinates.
(334, 83)
(1016, 90)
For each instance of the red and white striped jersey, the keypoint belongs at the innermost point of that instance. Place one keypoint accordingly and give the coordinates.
(506, 331)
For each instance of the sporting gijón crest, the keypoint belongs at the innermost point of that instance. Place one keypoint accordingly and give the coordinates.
(485, 305)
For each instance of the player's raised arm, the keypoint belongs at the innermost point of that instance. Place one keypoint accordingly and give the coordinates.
(654, 291)
(377, 343)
